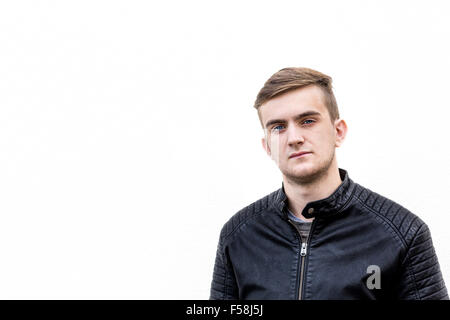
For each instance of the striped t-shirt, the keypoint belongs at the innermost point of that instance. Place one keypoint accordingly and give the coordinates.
(302, 226)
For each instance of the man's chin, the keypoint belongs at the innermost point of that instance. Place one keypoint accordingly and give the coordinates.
(303, 169)
(303, 174)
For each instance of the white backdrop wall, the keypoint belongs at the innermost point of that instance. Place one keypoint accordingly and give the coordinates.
(128, 136)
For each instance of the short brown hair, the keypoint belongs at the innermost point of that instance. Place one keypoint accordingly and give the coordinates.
(288, 79)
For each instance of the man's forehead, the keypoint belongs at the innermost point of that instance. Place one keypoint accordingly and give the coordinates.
(293, 103)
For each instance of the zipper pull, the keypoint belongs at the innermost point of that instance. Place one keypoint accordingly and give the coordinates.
(303, 251)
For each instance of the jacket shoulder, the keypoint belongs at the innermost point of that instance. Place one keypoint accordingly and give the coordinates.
(398, 217)
(247, 213)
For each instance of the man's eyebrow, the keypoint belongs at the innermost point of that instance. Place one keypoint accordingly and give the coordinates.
(297, 117)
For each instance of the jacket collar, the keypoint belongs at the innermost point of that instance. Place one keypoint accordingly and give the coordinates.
(329, 206)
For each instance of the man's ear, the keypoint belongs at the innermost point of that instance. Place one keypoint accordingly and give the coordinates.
(341, 131)
(265, 145)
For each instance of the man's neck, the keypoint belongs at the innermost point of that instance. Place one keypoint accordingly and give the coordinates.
(299, 195)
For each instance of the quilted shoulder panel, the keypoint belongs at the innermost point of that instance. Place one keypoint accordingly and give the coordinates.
(420, 274)
(404, 222)
(246, 213)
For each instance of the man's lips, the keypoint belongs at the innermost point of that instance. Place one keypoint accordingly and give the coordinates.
(298, 154)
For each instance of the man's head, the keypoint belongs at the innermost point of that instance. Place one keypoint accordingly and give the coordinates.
(298, 112)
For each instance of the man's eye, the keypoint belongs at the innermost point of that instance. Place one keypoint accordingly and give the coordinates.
(309, 120)
(275, 128)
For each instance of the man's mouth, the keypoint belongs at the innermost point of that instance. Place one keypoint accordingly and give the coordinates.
(299, 154)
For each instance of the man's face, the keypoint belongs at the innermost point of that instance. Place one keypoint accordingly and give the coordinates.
(303, 125)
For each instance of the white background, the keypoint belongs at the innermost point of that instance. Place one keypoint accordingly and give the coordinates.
(128, 135)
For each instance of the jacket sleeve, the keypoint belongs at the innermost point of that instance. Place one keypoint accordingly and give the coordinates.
(223, 284)
(420, 276)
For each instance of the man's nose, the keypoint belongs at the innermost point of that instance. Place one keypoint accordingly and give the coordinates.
(295, 135)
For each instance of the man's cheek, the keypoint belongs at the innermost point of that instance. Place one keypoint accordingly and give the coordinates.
(275, 145)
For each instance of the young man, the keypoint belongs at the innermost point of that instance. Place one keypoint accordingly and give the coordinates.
(321, 235)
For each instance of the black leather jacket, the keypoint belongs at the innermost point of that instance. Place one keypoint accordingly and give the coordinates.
(259, 252)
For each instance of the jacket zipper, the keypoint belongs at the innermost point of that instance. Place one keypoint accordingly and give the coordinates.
(303, 253)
